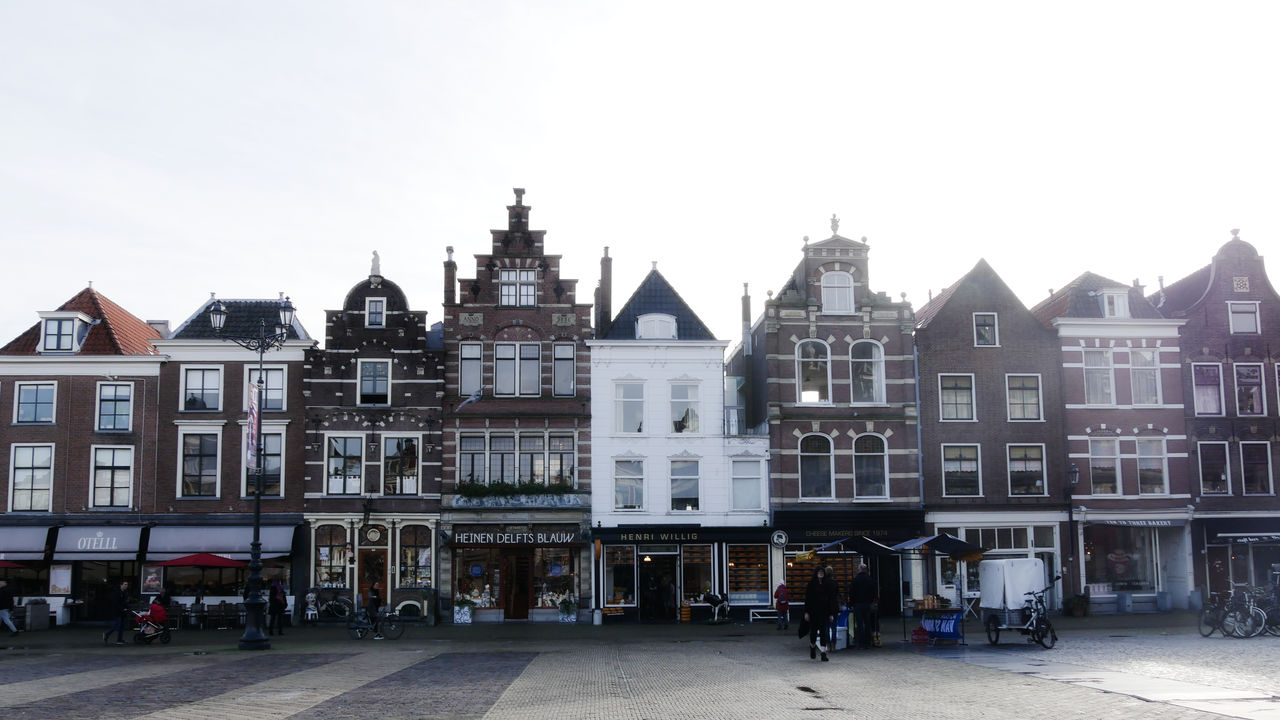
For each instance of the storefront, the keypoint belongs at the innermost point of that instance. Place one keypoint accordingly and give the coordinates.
(517, 572)
(212, 585)
(663, 574)
(1136, 564)
(350, 553)
(1029, 535)
(89, 563)
(25, 545)
(1237, 550)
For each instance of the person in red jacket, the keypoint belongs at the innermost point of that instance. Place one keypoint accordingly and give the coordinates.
(782, 602)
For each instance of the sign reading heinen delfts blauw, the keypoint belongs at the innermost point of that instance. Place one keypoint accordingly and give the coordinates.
(565, 535)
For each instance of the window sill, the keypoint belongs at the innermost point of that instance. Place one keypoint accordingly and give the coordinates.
(100, 431)
(818, 500)
(962, 497)
(197, 498)
(965, 420)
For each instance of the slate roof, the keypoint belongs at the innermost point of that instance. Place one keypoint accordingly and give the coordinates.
(655, 295)
(1075, 301)
(244, 318)
(118, 332)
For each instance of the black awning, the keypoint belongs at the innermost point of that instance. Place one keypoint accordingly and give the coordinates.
(231, 541)
(1241, 530)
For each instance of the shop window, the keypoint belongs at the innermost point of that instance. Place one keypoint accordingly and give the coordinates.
(961, 475)
(331, 556)
(696, 564)
(1152, 471)
(870, 467)
(1215, 474)
(813, 372)
(684, 485)
(815, 468)
(346, 465)
(477, 574)
(749, 574)
(866, 373)
(1099, 378)
(553, 577)
(415, 556)
(1119, 559)
(684, 408)
(1250, 399)
(32, 474)
(1104, 467)
(620, 575)
(1255, 463)
(400, 466)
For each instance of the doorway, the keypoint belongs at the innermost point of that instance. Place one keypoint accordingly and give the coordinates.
(658, 588)
(516, 602)
(373, 568)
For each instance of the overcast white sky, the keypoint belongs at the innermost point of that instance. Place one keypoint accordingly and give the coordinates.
(166, 149)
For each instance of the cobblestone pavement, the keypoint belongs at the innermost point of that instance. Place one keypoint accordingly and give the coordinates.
(623, 672)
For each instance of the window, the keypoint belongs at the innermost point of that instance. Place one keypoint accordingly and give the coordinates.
(1099, 380)
(112, 477)
(1144, 376)
(35, 402)
(1255, 467)
(628, 484)
(202, 389)
(1206, 380)
(815, 468)
(415, 556)
(629, 408)
(400, 466)
(115, 407)
(375, 312)
(1114, 304)
(1022, 394)
(695, 564)
(199, 464)
(870, 466)
(563, 369)
(32, 478)
(470, 368)
(517, 287)
(272, 390)
(533, 459)
(620, 574)
(837, 293)
(1152, 470)
(748, 574)
(1026, 470)
(656, 326)
(1215, 474)
(684, 485)
(272, 459)
(813, 372)
(516, 369)
(684, 408)
(502, 459)
(331, 556)
(560, 461)
(986, 332)
(59, 335)
(956, 395)
(345, 465)
(375, 382)
(1249, 392)
(960, 470)
(471, 459)
(746, 485)
(1244, 317)
(866, 359)
(1104, 468)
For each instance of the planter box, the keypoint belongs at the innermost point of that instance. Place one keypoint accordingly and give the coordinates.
(543, 615)
(461, 614)
(488, 615)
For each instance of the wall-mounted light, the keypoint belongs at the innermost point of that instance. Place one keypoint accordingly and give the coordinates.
(648, 559)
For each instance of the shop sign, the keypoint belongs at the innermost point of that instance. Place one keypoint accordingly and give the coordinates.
(1142, 523)
(515, 538)
(660, 537)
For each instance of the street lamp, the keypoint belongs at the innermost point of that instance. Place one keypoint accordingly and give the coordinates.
(254, 603)
(1073, 479)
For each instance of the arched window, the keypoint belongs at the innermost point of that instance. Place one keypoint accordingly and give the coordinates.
(815, 467)
(870, 467)
(837, 292)
(866, 370)
(813, 372)
(656, 326)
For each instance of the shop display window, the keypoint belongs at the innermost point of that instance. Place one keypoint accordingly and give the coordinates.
(553, 577)
(1119, 559)
(799, 572)
(620, 575)
(331, 556)
(477, 574)
(415, 556)
(697, 572)
(749, 573)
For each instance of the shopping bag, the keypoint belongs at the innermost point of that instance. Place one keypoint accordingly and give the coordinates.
(803, 629)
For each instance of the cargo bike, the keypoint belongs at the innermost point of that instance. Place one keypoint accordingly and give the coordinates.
(1012, 600)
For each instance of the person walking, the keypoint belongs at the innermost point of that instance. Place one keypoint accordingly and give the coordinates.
(782, 603)
(119, 607)
(819, 611)
(833, 592)
(277, 603)
(862, 595)
(6, 607)
(375, 608)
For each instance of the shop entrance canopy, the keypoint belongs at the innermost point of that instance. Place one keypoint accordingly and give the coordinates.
(943, 544)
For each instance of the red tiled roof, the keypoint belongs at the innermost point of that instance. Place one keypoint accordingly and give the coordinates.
(118, 333)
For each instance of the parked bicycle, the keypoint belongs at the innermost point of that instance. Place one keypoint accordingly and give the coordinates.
(381, 625)
(1237, 615)
(1212, 613)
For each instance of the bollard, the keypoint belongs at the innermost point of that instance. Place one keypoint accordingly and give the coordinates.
(597, 617)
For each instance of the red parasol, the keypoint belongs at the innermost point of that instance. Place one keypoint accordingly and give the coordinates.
(14, 565)
(202, 560)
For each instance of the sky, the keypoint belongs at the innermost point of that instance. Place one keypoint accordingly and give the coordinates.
(165, 150)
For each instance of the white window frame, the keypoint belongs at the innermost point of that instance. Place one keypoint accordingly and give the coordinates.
(182, 394)
(942, 453)
(1008, 397)
(831, 468)
(1114, 304)
(1195, 400)
(740, 478)
(1226, 466)
(212, 428)
(884, 442)
(1044, 470)
(518, 373)
(360, 366)
(800, 374)
(697, 481)
(523, 285)
(973, 399)
(93, 476)
(369, 312)
(1093, 486)
(382, 464)
(1110, 375)
(470, 369)
(247, 478)
(1135, 370)
(1164, 462)
(13, 460)
(97, 407)
(249, 386)
(17, 401)
(693, 404)
(558, 361)
(1243, 309)
(656, 326)
(837, 297)
(1244, 481)
(877, 372)
(640, 491)
(995, 329)
(620, 405)
(1262, 388)
(361, 439)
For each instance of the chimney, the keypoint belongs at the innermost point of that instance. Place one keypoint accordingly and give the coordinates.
(160, 326)
(746, 322)
(604, 295)
(450, 279)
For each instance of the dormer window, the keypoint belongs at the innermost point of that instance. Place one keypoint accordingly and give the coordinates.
(63, 332)
(375, 312)
(1114, 304)
(656, 326)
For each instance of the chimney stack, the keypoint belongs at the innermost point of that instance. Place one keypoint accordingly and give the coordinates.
(450, 279)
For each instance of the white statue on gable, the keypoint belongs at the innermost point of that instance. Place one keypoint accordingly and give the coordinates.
(377, 265)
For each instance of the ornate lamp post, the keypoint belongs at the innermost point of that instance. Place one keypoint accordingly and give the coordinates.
(254, 603)
(1073, 479)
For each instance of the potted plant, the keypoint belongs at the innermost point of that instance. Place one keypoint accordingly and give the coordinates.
(568, 611)
(462, 610)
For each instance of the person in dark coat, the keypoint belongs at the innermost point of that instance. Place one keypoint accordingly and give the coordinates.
(819, 611)
(862, 594)
(119, 608)
(833, 592)
(277, 603)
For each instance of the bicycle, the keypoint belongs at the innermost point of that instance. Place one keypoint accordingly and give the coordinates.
(1035, 616)
(335, 607)
(382, 625)
(1242, 618)
(1212, 614)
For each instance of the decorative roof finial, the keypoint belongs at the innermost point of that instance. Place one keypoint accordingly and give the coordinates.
(835, 224)
(655, 266)
(519, 196)
(1235, 234)
(376, 269)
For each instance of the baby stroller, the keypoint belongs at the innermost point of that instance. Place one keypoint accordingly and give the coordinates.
(151, 627)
